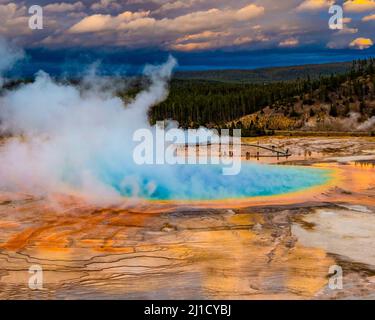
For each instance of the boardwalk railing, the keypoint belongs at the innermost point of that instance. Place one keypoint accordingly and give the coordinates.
(275, 151)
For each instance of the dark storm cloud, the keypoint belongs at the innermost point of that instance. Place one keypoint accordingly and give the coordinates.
(192, 28)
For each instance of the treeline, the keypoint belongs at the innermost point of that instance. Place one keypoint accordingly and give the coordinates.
(195, 103)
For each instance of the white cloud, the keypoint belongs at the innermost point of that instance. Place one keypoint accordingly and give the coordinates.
(176, 5)
(105, 4)
(291, 42)
(210, 40)
(359, 5)
(361, 43)
(197, 30)
(64, 7)
(242, 40)
(314, 5)
(143, 23)
(370, 17)
(184, 24)
(104, 22)
(202, 36)
(347, 30)
(14, 20)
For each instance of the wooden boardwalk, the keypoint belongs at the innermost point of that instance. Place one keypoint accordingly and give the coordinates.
(275, 152)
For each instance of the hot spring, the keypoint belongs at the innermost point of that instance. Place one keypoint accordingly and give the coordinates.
(80, 138)
(206, 182)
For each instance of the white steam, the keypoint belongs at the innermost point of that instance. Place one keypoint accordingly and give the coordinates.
(367, 125)
(8, 56)
(353, 123)
(61, 134)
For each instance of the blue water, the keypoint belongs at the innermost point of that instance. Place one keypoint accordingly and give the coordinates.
(206, 182)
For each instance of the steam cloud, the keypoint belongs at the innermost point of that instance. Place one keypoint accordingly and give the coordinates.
(62, 134)
(352, 122)
(8, 56)
(367, 125)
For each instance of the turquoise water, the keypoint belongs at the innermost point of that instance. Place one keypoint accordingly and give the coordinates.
(206, 182)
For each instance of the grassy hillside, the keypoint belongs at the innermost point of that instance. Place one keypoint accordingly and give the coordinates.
(326, 97)
(339, 101)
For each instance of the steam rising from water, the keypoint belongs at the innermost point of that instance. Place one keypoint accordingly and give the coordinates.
(72, 139)
(8, 56)
(63, 136)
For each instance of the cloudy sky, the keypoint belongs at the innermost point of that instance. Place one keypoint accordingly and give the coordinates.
(196, 28)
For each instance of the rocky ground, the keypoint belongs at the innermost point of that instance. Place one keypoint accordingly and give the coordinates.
(270, 248)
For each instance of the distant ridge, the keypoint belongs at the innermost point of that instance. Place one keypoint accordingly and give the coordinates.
(266, 75)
